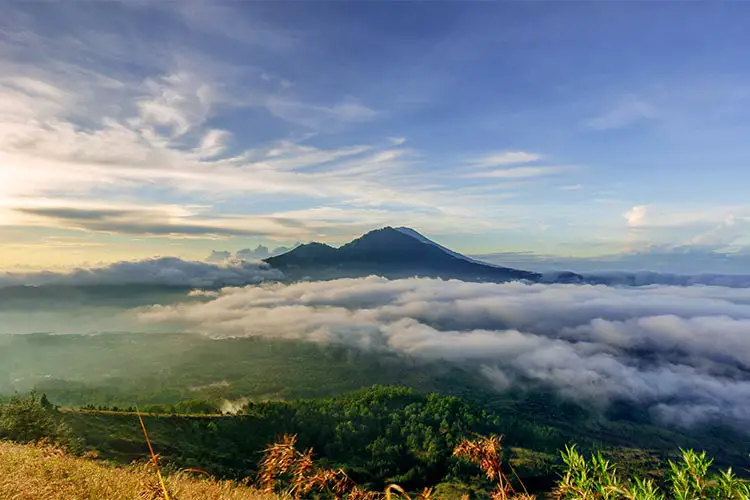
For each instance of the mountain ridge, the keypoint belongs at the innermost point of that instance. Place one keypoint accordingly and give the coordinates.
(393, 253)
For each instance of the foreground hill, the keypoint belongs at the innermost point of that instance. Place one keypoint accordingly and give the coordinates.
(393, 253)
(41, 472)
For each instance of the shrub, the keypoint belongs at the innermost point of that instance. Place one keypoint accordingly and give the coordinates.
(31, 418)
(690, 479)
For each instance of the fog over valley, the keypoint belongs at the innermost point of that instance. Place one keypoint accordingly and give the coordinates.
(682, 352)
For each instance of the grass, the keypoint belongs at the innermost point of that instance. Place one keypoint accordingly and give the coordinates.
(45, 472)
(293, 473)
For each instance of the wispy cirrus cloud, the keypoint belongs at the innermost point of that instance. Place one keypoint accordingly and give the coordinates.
(518, 172)
(511, 165)
(159, 122)
(157, 221)
(320, 117)
(624, 113)
(666, 216)
(505, 158)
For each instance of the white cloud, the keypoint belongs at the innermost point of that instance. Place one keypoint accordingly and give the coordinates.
(214, 143)
(251, 254)
(636, 216)
(319, 117)
(89, 116)
(157, 134)
(505, 158)
(694, 225)
(624, 113)
(153, 220)
(167, 271)
(682, 352)
(518, 172)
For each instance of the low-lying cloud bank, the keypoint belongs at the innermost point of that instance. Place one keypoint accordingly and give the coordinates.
(683, 352)
(258, 253)
(683, 260)
(643, 278)
(166, 271)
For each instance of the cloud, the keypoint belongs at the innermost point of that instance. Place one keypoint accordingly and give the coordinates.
(624, 113)
(161, 134)
(260, 252)
(213, 144)
(517, 172)
(691, 225)
(644, 278)
(673, 265)
(165, 271)
(99, 114)
(253, 254)
(168, 221)
(218, 256)
(319, 117)
(510, 165)
(636, 216)
(666, 216)
(505, 158)
(682, 352)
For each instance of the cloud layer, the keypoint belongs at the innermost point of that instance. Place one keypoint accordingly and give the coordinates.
(683, 352)
(165, 271)
(258, 253)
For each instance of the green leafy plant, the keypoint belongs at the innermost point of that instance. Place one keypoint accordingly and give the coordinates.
(688, 479)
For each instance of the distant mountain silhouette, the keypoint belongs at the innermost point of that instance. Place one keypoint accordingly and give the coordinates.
(392, 253)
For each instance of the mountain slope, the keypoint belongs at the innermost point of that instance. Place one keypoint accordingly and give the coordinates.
(393, 253)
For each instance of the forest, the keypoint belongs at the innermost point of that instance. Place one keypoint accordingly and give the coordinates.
(217, 405)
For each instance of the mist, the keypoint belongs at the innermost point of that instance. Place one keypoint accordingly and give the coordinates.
(681, 352)
(163, 271)
(101, 299)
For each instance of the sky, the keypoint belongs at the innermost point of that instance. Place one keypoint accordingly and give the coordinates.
(138, 129)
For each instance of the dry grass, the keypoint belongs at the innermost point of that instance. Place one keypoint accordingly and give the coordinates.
(43, 472)
(283, 465)
(46, 472)
(486, 452)
(282, 462)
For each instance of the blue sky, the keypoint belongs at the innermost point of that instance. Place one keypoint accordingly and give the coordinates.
(136, 129)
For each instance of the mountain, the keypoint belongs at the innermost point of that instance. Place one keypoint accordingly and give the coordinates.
(393, 253)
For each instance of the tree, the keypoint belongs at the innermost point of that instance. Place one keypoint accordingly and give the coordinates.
(29, 418)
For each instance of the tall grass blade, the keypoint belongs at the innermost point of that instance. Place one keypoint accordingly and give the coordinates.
(153, 456)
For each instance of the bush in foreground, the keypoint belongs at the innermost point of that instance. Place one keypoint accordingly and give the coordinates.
(690, 479)
(32, 418)
(292, 473)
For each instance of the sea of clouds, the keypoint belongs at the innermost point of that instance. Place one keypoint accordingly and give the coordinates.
(682, 352)
(163, 271)
(679, 348)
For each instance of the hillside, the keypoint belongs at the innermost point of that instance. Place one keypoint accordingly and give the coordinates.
(33, 472)
(42, 471)
(292, 383)
(393, 253)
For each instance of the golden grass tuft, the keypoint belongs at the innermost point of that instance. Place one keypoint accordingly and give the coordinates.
(44, 472)
(486, 452)
(282, 461)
